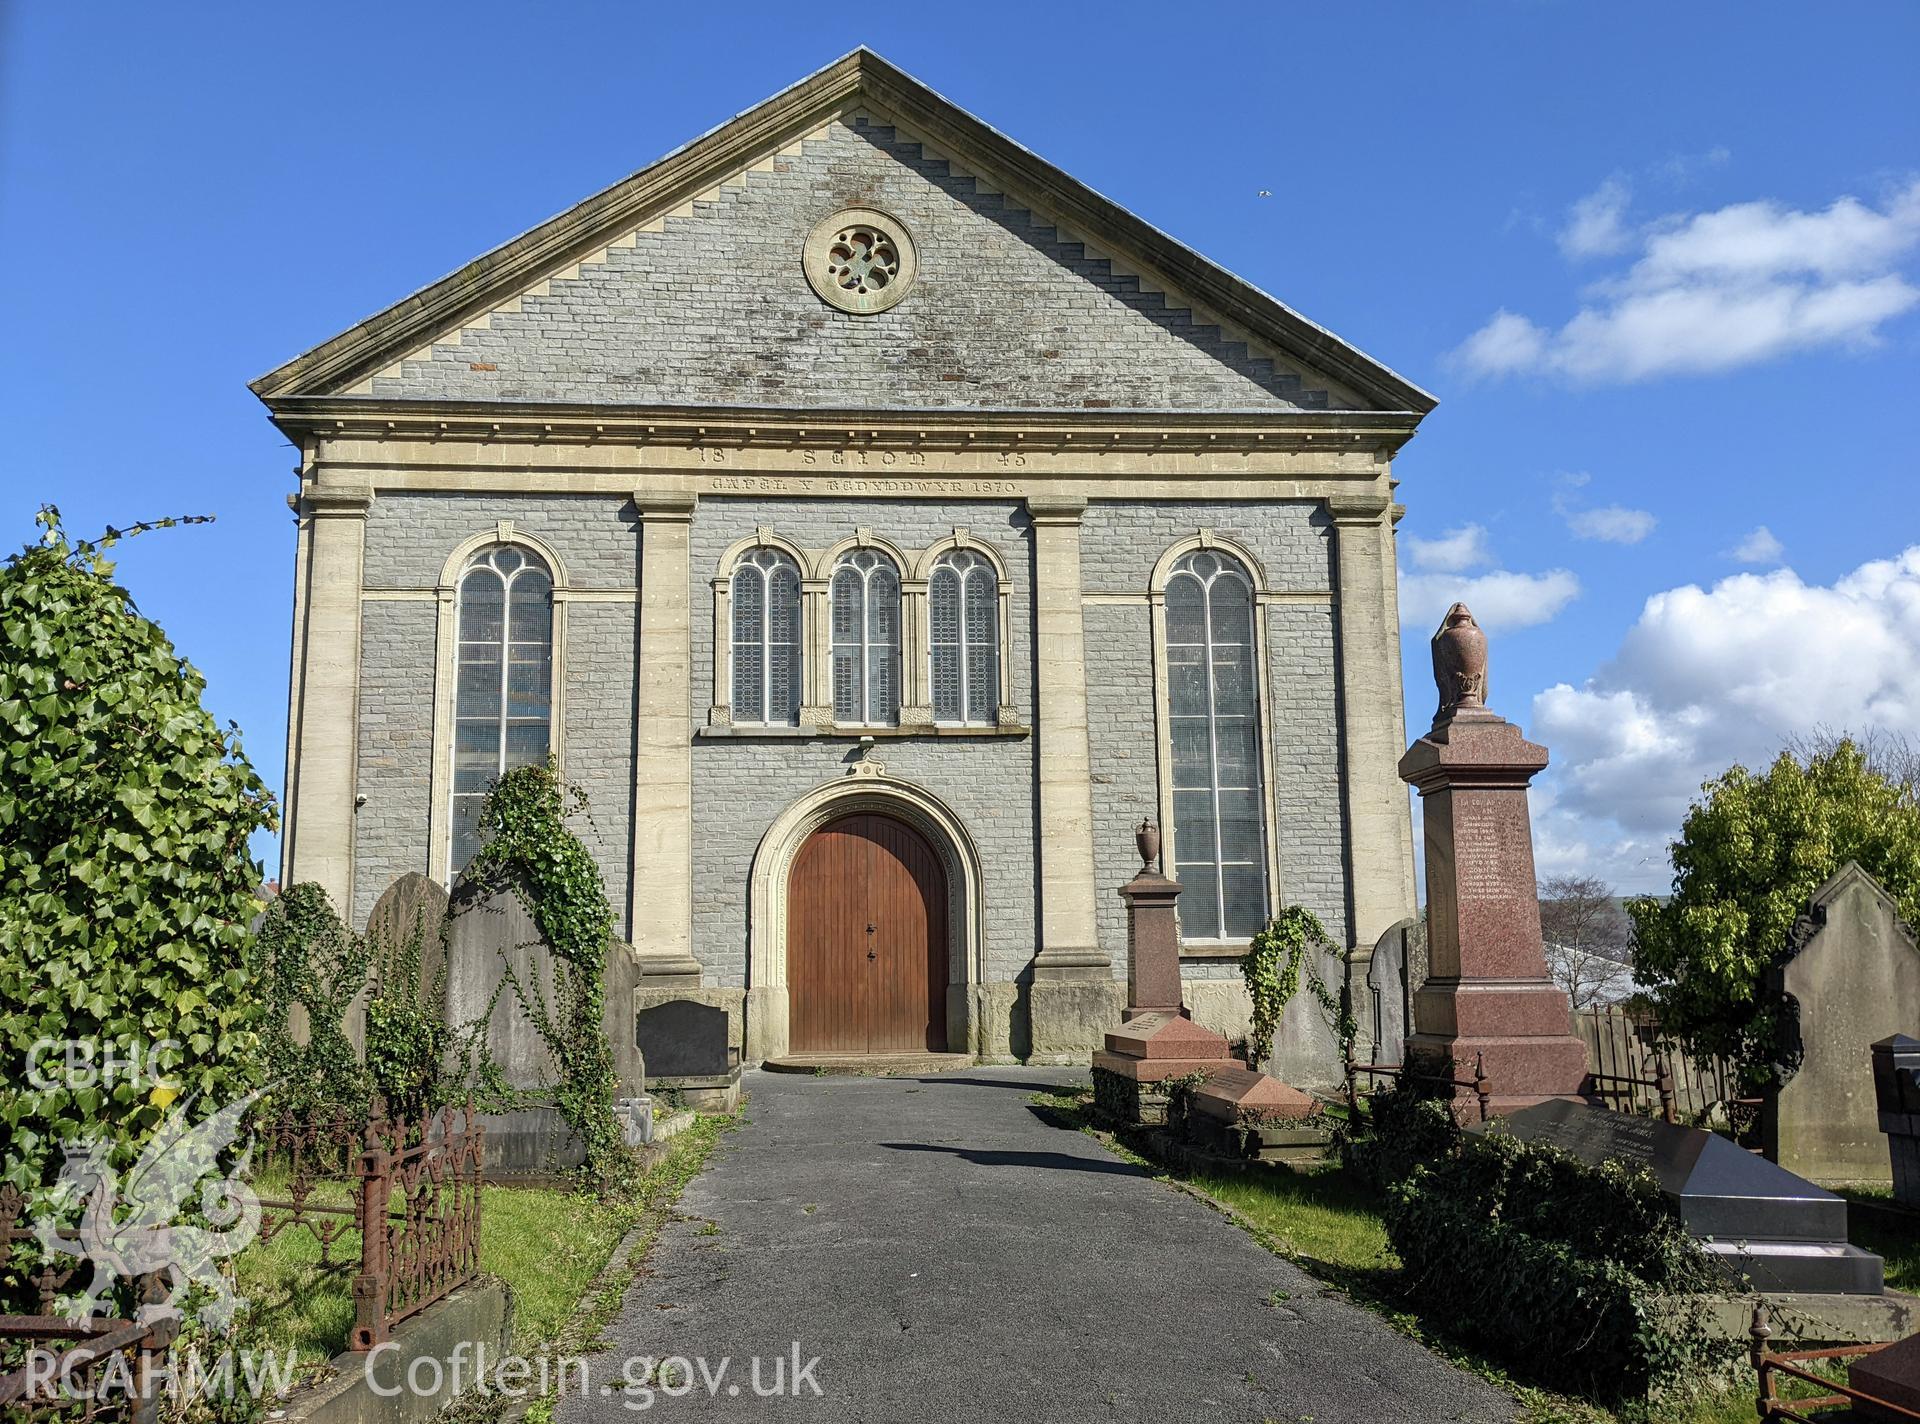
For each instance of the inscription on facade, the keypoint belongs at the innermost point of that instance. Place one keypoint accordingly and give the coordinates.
(828, 484)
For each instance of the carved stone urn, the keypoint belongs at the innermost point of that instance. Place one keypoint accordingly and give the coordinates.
(1146, 836)
(1459, 662)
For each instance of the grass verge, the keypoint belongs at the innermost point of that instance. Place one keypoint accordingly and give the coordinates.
(1330, 1226)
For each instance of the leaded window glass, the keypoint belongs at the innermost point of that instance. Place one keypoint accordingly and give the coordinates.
(766, 640)
(864, 599)
(963, 597)
(503, 696)
(1219, 825)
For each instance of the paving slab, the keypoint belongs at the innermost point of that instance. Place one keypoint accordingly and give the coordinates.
(947, 1254)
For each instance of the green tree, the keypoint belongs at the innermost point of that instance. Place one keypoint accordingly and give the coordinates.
(126, 885)
(1748, 859)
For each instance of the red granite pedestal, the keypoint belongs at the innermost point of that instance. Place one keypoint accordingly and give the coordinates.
(1488, 997)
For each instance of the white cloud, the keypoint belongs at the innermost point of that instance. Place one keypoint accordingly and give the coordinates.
(1708, 677)
(1501, 600)
(1611, 524)
(1718, 290)
(1457, 549)
(1594, 225)
(1759, 547)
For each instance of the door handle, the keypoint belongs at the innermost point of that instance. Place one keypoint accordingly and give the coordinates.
(870, 950)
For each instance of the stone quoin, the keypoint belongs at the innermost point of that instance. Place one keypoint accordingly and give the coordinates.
(874, 586)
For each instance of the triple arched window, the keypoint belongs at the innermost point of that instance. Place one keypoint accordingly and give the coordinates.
(503, 689)
(1213, 724)
(865, 634)
(766, 639)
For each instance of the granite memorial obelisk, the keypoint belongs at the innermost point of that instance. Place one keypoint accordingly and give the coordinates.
(1488, 997)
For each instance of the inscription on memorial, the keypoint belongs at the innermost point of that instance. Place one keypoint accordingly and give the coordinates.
(1493, 852)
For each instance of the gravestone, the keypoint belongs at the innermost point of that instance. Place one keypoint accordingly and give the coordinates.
(1756, 1220)
(1158, 1038)
(684, 1045)
(488, 936)
(1896, 1092)
(1852, 972)
(1487, 998)
(413, 900)
(1390, 989)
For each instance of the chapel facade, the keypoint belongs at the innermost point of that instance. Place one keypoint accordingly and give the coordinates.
(877, 524)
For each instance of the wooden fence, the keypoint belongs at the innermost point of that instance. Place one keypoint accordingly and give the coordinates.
(1623, 1055)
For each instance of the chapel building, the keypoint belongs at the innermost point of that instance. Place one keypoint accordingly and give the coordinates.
(878, 524)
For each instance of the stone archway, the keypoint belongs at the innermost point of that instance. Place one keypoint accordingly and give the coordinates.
(866, 788)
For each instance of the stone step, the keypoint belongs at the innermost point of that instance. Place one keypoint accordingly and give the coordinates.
(870, 1065)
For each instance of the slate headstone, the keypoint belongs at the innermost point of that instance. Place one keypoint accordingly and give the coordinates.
(1390, 991)
(1896, 1092)
(487, 935)
(1755, 1219)
(683, 1039)
(413, 902)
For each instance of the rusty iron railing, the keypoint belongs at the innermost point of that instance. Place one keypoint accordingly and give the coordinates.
(419, 1200)
(1619, 1090)
(1479, 1084)
(1773, 1367)
(101, 1369)
(307, 1172)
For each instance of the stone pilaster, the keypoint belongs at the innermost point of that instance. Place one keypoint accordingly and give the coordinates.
(660, 912)
(322, 778)
(1372, 719)
(1069, 945)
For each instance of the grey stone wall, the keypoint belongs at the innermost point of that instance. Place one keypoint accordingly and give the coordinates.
(1008, 311)
(1120, 544)
(396, 746)
(408, 539)
(741, 784)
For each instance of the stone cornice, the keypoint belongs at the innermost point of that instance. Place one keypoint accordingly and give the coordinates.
(749, 427)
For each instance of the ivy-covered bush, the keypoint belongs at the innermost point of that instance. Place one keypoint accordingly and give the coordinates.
(126, 885)
(1395, 1131)
(528, 849)
(311, 967)
(407, 1032)
(1552, 1263)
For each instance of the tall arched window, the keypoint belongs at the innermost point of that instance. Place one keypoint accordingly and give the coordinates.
(766, 640)
(503, 701)
(963, 596)
(865, 595)
(1219, 824)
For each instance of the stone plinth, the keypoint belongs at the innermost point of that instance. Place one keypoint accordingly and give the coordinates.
(1153, 944)
(1488, 997)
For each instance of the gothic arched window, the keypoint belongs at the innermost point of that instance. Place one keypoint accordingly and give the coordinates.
(503, 700)
(865, 610)
(1213, 714)
(766, 640)
(963, 607)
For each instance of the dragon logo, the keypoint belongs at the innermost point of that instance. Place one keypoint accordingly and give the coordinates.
(126, 1227)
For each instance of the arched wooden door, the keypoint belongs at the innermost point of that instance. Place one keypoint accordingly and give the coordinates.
(867, 940)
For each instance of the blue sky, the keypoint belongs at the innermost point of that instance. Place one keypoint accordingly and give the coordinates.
(1700, 223)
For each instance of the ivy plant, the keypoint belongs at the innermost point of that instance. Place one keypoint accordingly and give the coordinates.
(528, 849)
(126, 883)
(1279, 959)
(311, 968)
(407, 1032)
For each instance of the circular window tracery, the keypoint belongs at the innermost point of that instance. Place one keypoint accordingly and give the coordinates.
(860, 260)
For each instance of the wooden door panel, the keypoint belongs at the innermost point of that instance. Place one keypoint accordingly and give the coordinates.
(866, 940)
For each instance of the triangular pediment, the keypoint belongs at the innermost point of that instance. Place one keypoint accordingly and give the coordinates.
(685, 286)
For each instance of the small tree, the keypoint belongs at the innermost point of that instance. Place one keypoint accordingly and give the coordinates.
(126, 885)
(1587, 938)
(1749, 858)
